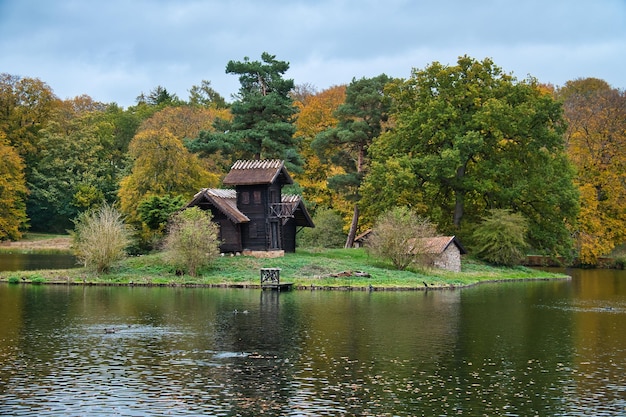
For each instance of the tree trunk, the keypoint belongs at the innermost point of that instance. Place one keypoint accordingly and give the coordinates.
(459, 197)
(353, 227)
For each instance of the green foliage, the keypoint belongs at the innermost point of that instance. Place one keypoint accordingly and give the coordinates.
(37, 280)
(263, 116)
(100, 238)
(14, 280)
(327, 233)
(204, 95)
(469, 137)
(192, 241)
(500, 239)
(398, 235)
(155, 211)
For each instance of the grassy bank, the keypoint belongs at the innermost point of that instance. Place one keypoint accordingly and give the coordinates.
(306, 268)
(38, 243)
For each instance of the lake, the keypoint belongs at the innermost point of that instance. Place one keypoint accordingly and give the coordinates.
(34, 261)
(549, 348)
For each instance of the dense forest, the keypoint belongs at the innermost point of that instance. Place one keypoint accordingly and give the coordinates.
(450, 142)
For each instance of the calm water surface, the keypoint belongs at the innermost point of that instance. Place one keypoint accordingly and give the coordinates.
(34, 261)
(553, 348)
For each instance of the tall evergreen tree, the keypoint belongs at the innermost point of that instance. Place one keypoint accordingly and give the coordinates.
(361, 119)
(263, 116)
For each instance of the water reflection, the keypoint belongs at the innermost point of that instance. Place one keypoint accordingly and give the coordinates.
(34, 261)
(510, 349)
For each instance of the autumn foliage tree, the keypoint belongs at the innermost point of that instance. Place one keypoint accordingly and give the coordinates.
(12, 192)
(316, 115)
(596, 139)
(162, 165)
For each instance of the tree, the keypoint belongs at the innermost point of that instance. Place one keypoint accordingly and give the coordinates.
(327, 232)
(469, 138)
(192, 241)
(155, 211)
(500, 238)
(399, 235)
(596, 139)
(100, 238)
(26, 106)
(262, 125)
(316, 115)
(361, 119)
(205, 96)
(159, 97)
(12, 192)
(77, 166)
(161, 166)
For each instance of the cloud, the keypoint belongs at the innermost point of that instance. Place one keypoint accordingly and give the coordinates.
(115, 50)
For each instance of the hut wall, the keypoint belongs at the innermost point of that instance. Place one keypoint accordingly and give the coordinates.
(289, 236)
(449, 259)
(230, 236)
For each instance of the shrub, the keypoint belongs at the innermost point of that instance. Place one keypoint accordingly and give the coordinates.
(155, 211)
(327, 233)
(100, 238)
(500, 238)
(398, 235)
(37, 279)
(192, 240)
(14, 280)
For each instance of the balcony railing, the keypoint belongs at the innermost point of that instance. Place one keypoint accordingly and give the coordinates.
(281, 210)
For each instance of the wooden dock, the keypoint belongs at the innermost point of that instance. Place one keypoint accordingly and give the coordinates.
(270, 280)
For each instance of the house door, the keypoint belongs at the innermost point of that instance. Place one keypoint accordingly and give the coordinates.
(274, 236)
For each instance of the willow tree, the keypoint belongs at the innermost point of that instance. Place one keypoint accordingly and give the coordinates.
(469, 138)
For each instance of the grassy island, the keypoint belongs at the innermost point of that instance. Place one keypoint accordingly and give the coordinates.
(308, 268)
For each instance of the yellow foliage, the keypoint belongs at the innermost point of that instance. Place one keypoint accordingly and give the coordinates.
(596, 139)
(12, 192)
(316, 116)
(162, 165)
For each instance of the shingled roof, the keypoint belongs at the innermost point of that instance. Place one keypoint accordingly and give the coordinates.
(225, 200)
(256, 172)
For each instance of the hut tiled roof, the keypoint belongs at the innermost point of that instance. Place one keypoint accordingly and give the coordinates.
(438, 244)
(255, 172)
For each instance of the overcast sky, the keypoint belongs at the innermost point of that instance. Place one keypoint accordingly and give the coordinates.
(113, 50)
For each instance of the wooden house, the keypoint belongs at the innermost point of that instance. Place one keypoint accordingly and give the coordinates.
(255, 215)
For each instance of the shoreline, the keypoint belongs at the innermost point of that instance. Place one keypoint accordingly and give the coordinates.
(301, 287)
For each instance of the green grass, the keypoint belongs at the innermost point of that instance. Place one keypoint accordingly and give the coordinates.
(306, 268)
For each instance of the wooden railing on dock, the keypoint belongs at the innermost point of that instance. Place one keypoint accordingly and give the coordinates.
(270, 279)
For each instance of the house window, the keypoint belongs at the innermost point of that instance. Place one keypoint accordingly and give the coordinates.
(257, 197)
(245, 197)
